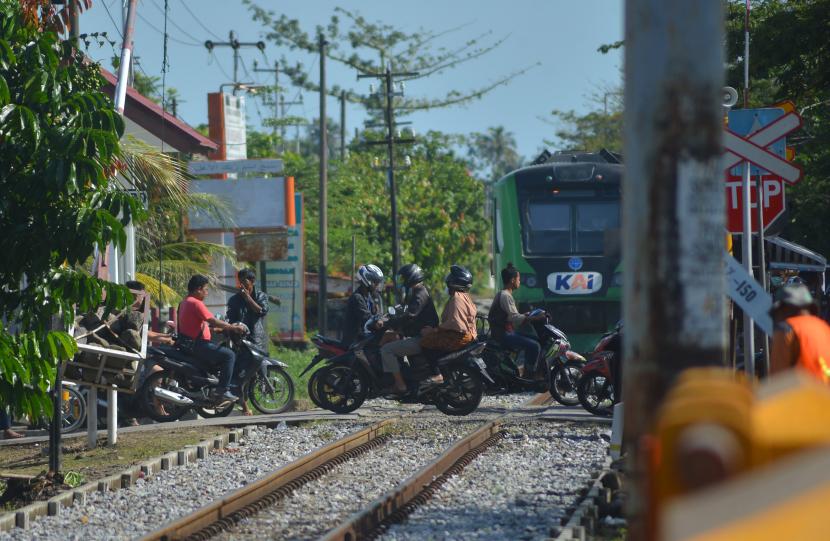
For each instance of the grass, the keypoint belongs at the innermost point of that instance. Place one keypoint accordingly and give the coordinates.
(297, 360)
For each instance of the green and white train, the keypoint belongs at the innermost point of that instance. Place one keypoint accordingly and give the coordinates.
(558, 222)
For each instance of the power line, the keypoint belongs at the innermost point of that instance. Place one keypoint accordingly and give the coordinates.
(219, 65)
(195, 18)
(189, 44)
(117, 28)
(182, 30)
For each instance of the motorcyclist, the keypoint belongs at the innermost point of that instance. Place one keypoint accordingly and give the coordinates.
(364, 303)
(458, 321)
(419, 312)
(504, 318)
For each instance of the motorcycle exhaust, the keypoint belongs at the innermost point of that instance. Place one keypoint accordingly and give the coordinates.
(170, 396)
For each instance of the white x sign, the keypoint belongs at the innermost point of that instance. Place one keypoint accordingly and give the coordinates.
(753, 148)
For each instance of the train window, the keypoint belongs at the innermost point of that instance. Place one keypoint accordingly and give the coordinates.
(548, 228)
(592, 221)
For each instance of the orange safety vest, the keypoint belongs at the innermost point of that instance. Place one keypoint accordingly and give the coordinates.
(813, 336)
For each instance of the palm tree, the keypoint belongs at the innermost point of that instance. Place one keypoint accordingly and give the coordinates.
(495, 152)
(165, 258)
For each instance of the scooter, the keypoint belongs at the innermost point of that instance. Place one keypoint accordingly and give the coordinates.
(344, 382)
(182, 383)
(596, 386)
(557, 371)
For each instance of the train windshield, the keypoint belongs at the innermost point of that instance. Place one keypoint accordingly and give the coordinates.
(569, 227)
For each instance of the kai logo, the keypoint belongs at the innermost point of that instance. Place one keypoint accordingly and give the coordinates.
(574, 283)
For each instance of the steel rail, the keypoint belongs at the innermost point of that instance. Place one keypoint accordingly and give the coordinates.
(218, 515)
(398, 503)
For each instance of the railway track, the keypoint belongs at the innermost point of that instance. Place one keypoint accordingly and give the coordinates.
(363, 482)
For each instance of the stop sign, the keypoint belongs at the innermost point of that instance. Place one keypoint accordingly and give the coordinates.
(773, 201)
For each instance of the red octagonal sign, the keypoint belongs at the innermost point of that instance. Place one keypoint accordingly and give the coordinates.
(773, 201)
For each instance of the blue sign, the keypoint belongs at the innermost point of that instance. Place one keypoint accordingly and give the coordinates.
(575, 263)
(744, 122)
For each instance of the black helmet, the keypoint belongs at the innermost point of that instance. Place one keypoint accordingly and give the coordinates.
(459, 279)
(411, 274)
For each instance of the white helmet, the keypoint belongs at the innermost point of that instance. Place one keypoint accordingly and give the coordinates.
(369, 275)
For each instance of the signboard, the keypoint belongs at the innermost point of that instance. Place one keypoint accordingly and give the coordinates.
(254, 247)
(216, 167)
(773, 201)
(748, 294)
(236, 142)
(285, 279)
(574, 283)
(254, 203)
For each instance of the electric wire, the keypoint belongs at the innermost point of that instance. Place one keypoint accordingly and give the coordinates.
(112, 19)
(165, 66)
(215, 58)
(179, 28)
(188, 43)
(195, 18)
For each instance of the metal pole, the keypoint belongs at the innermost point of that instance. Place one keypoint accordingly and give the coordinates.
(235, 47)
(57, 423)
(126, 55)
(276, 104)
(92, 417)
(390, 156)
(112, 416)
(354, 258)
(746, 241)
(762, 271)
(343, 126)
(282, 126)
(673, 211)
(324, 151)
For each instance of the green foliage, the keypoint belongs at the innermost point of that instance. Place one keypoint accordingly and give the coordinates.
(59, 146)
(440, 208)
(599, 128)
(789, 59)
(494, 153)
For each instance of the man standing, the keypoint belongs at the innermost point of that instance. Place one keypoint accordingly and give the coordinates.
(801, 339)
(249, 306)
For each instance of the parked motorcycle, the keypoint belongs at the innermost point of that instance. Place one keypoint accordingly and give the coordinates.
(183, 384)
(346, 381)
(327, 348)
(595, 387)
(557, 371)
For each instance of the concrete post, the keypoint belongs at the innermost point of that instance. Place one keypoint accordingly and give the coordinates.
(673, 208)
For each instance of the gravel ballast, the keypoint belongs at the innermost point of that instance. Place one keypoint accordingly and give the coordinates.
(167, 495)
(518, 489)
(316, 507)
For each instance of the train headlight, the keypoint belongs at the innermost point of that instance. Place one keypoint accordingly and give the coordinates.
(530, 280)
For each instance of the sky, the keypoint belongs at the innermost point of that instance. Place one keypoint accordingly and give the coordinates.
(561, 36)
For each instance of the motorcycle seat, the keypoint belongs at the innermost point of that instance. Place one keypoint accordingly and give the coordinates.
(466, 350)
(171, 352)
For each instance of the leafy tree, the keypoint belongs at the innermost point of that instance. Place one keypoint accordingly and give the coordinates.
(368, 46)
(494, 153)
(789, 60)
(599, 128)
(59, 146)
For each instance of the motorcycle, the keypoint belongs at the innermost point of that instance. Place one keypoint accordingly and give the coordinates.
(595, 387)
(557, 371)
(183, 384)
(327, 348)
(347, 380)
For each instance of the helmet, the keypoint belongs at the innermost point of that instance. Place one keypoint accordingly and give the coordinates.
(369, 275)
(411, 274)
(795, 295)
(459, 279)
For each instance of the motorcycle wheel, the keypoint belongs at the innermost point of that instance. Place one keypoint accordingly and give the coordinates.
(267, 401)
(74, 410)
(596, 394)
(213, 413)
(166, 380)
(341, 389)
(461, 392)
(563, 381)
(312, 387)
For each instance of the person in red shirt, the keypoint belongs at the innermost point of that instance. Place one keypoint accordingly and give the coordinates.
(195, 321)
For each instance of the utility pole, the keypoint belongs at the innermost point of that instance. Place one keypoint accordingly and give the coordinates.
(74, 21)
(283, 103)
(276, 72)
(673, 207)
(387, 78)
(234, 44)
(343, 126)
(324, 158)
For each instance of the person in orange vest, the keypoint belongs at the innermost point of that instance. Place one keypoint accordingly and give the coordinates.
(801, 338)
